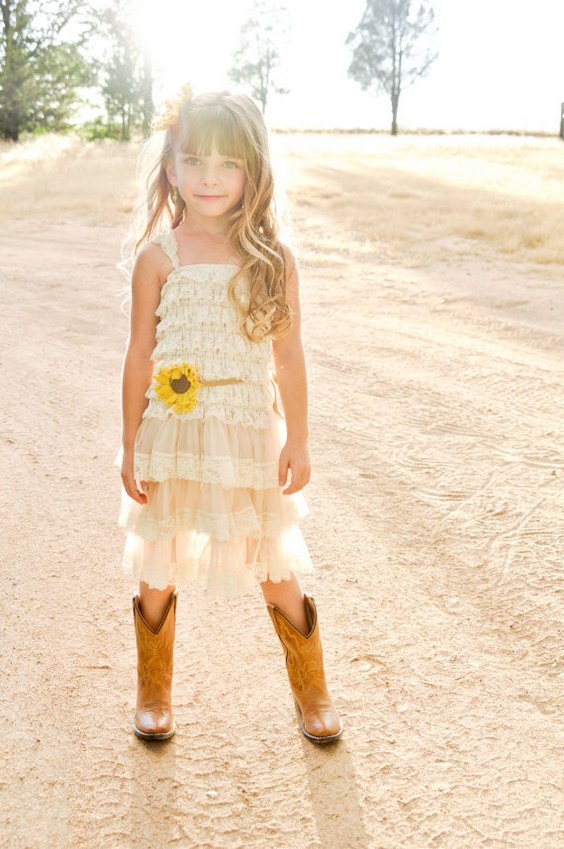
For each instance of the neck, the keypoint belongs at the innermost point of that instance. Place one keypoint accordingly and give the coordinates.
(216, 228)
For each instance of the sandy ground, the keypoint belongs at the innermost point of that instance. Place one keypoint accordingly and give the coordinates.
(436, 501)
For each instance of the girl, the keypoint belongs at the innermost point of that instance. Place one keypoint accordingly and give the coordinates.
(206, 450)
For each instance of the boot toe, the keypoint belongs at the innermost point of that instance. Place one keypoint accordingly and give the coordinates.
(324, 726)
(164, 735)
(153, 723)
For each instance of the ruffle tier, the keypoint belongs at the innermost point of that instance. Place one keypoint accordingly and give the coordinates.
(208, 450)
(221, 512)
(201, 284)
(205, 335)
(215, 512)
(246, 404)
(225, 569)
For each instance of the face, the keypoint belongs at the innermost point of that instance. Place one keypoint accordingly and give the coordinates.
(210, 186)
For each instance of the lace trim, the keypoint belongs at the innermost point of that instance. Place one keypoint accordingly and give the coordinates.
(167, 242)
(227, 471)
(180, 341)
(252, 395)
(215, 365)
(228, 414)
(215, 326)
(220, 527)
(226, 569)
(200, 313)
(210, 287)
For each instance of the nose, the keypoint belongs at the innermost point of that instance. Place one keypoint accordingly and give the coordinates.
(209, 176)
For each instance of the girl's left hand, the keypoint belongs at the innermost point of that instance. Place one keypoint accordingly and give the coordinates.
(294, 456)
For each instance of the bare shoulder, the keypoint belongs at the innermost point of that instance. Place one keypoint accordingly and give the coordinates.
(152, 266)
(285, 347)
(146, 284)
(290, 259)
(292, 277)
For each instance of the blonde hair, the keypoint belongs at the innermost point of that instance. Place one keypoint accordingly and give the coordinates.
(236, 126)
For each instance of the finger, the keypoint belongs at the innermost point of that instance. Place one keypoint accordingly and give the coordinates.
(142, 487)
(282, 475)
(140, 497)
(131, 489)
(137, 496)
(291, 489)
(295, 485)
(299, 480)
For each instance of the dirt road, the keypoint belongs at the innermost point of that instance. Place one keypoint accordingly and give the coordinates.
(436, 502)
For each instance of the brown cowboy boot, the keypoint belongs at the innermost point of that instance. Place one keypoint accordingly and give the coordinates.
(153, 715)
(304, 664)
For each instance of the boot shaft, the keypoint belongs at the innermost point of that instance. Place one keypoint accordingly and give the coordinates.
(304, 652)
(306, 673)
(155, 648)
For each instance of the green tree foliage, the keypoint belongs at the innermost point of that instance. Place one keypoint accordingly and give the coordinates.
(125, 72)
(391, 47)
(261, 41)
(40, 68)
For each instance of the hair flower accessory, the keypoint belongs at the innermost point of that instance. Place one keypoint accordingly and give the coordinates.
(167, 119)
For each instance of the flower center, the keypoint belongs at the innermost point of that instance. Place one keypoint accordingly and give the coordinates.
(181, 384)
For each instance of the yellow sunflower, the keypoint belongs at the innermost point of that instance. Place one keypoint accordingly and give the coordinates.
(177, 386)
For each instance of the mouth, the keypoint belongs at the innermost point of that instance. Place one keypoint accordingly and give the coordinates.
(210, 197)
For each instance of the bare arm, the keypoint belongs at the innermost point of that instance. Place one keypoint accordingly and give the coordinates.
(146, 282)
(291, 375)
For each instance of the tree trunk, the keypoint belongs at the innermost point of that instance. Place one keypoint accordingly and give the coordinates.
(11, 134)
(11, 122)
(123, 127)
(395, 103)
(148, 107)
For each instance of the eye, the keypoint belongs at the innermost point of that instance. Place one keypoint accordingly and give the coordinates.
(191, 160)
(231, 164)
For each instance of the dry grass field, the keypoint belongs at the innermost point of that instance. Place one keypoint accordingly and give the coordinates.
(416, 198)
(432, 290)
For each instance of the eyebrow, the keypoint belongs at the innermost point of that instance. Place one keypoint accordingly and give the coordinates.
(221, 156)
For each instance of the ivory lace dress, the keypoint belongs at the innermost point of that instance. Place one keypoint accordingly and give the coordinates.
(215, 512)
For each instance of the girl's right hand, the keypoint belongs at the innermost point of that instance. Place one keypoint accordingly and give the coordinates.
(129, 482)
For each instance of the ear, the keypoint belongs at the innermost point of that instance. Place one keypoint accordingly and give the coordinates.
(171, 174)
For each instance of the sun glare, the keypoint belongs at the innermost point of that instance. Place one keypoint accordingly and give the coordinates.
(479, 81)
(190, 44)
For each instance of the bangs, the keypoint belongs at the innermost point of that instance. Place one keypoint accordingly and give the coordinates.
(204, 128)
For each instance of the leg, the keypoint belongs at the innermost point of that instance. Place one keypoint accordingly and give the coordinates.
(294, 616)
(288, 596)
(155, 653)
(153, 603)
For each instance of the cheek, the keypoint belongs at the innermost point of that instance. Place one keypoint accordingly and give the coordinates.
(239, 182)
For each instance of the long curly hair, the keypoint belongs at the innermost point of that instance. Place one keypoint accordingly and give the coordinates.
(235, 125)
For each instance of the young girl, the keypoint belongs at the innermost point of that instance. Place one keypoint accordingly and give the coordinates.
(206, 450)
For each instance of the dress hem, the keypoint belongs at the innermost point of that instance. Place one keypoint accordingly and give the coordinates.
(187, 577)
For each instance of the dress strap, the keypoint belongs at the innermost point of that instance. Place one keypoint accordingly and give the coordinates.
(167, 241)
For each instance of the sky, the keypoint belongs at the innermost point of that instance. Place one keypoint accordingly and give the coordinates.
(500, 64)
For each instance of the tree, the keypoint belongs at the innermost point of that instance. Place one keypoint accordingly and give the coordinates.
(390, 47)
(40, 70)
(147, 91)
(262, 36)
(125, 72)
